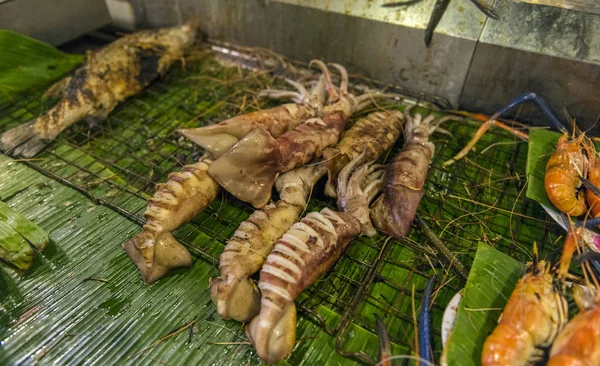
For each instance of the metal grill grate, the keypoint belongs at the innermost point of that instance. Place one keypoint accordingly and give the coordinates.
(118, 162)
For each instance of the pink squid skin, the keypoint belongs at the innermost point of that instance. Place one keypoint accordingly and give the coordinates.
(404, 178)
(248, 170)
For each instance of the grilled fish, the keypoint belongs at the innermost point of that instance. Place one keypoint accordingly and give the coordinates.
(110, 75)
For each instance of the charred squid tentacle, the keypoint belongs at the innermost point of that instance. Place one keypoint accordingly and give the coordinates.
(234, 293)
(373, 135)
(356, 192)
(249, 168)
(187, 192)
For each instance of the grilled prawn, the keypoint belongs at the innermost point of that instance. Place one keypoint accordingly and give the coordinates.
(219, 138)
(249, 168)
(404, 178)
(536, 311)
(187, 192)
(373, 134)
(563, 170)
(111, 75)
(299, 258)
(234, 293)
(578, 344)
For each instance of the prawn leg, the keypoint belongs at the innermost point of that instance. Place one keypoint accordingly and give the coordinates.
(492, 121)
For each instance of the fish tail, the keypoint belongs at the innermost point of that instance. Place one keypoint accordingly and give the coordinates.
(23, 140)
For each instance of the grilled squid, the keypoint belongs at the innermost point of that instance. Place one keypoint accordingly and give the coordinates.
(404, 178)
(299, 258)
(187, 192)
(373, 134)
(220, 137)
(250, 167)
(234, 293)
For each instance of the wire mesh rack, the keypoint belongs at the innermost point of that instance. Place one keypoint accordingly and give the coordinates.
(118, 162)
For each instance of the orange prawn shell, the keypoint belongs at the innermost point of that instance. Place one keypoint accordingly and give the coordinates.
(593, 200)
(562, 176)
(579, 343)
(534, 314)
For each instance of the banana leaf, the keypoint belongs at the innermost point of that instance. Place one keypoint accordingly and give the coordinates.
(542, 143)
(14, 249)
(27, 229)
(27, 62)
(491, 281)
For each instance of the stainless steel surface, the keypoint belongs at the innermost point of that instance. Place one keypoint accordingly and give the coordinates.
(461, 19)
(475, 63)
(550, 51)
(499, 74)
(545, 30)
(384, 51)
(56, 21)
(590, 6)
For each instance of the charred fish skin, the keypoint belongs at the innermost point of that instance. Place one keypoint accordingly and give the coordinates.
(404, 178)
(234, 293)
(373, 134)
(110, 75)
(187, 192)
(219, 138)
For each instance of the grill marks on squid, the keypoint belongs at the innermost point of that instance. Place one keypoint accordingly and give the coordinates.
(187, 192)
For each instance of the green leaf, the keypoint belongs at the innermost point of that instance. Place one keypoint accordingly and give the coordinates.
(27, 62)
(491, 281)
(14, 249)
(27, 229)
(542, 143)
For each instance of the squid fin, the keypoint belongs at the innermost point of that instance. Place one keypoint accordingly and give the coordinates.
(210, 139)
(248, 170)
(168, 254)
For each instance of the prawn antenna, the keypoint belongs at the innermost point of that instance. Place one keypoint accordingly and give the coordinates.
(536, 257)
